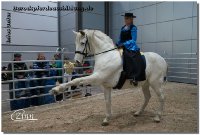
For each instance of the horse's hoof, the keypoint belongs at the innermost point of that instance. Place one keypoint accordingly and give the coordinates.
(156, 119)
(137, 113)
(105, 124)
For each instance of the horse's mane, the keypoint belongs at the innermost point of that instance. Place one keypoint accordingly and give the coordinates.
(102, 36)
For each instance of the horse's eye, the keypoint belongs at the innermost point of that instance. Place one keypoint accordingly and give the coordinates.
(82, 43)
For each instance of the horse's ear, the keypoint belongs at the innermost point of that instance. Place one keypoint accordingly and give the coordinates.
(75, 32)
(82, 32)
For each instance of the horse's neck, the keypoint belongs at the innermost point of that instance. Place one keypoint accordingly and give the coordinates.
(101, 44)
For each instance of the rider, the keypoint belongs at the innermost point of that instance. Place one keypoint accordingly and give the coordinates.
(128, 35)
(132, 62)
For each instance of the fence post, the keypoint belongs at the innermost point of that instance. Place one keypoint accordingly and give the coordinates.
(13, 83)
(63, 79)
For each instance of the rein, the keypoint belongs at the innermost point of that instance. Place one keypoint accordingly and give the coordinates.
(101, 52)
(86, 51)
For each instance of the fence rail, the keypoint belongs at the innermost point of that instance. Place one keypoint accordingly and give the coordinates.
(32, 70)
(87, 59)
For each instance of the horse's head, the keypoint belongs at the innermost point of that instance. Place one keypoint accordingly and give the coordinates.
(82, 46)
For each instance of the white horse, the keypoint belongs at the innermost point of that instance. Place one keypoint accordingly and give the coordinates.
(108, 67)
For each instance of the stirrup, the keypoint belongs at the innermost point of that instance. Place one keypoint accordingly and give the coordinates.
(133, 82)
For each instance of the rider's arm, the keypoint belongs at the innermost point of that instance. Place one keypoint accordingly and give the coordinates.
(119, 41)
(131, 43)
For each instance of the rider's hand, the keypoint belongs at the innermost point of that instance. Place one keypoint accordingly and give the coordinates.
(120, 46)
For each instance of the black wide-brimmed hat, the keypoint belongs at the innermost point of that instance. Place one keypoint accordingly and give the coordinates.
(129, 15)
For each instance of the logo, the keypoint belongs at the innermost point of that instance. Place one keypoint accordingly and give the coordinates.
(21, 115)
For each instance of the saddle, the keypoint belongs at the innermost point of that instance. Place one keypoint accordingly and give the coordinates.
(134, 65)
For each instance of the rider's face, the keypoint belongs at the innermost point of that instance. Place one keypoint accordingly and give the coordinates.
(128, 20)
(41, 56)
(18, 58)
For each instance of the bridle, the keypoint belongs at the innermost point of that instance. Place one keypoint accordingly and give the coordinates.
(85, 51)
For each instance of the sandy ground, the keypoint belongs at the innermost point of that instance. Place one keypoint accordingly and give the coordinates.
(86, 114)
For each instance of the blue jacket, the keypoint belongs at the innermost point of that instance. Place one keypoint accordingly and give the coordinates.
(129, 44)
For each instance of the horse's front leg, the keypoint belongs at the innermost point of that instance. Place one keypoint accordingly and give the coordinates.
(92, 79)
(107, 96)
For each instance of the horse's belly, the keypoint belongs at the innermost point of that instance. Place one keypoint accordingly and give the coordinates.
(113, 80)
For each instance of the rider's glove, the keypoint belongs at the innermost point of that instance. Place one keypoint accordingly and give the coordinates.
(119, 45)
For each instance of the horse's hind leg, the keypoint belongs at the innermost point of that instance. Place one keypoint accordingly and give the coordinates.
(147, 96)
(159, 92)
